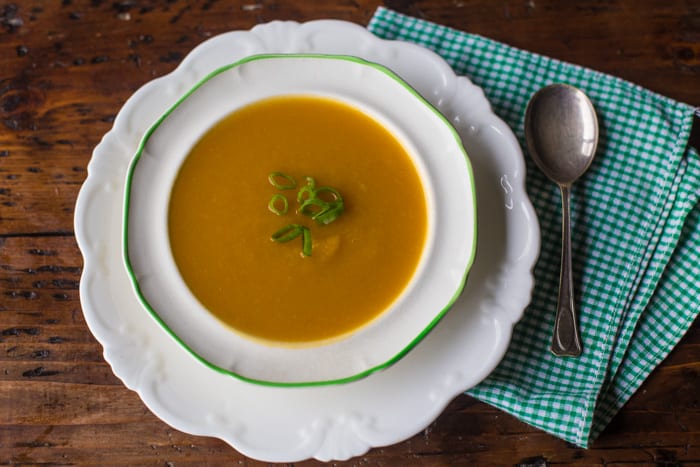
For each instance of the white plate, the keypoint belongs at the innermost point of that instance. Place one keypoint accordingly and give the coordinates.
(330, 422)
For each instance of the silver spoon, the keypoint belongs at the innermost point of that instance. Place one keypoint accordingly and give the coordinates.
(561, 130)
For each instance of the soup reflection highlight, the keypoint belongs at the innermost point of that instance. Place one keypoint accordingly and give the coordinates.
(221, 224)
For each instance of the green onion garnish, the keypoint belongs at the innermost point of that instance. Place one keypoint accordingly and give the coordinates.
(306, 242)
(307, 191)
(335, 196)
(292, 231)
(275, 201)
(282, 181)
(312, 206)
(330, 214)
(323, 205)
(287, 233)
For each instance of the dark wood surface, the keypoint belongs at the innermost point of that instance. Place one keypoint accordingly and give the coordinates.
(66, 67)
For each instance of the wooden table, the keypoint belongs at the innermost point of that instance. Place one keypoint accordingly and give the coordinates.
(66, 67)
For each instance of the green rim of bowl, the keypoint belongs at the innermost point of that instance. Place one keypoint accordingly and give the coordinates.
(223, 371)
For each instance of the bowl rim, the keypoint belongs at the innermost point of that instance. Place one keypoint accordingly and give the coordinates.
(437, 316)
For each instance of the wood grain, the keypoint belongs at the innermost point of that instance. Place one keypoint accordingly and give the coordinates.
(66, 67)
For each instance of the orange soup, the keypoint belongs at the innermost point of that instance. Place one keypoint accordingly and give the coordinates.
(221, 222)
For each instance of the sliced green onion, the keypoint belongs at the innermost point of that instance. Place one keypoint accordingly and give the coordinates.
(287, 233)
(308, 191)
(276, 199)
(292, 231)
(282, 181)
(306, 242)
(329, 215)
(312, 206)
(323, 204)
(326, 189)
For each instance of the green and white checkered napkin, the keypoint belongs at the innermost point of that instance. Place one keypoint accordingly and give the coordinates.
(636, 236)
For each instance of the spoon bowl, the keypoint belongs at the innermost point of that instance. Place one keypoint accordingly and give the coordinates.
(561, 131)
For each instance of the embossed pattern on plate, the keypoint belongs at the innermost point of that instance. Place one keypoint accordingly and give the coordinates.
(337, 422)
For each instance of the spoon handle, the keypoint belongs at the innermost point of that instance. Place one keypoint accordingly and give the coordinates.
(566, 340)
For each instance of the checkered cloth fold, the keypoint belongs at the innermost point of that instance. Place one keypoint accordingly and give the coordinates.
(636, 236)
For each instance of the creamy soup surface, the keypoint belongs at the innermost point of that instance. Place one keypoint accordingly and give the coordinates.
(220, 225)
